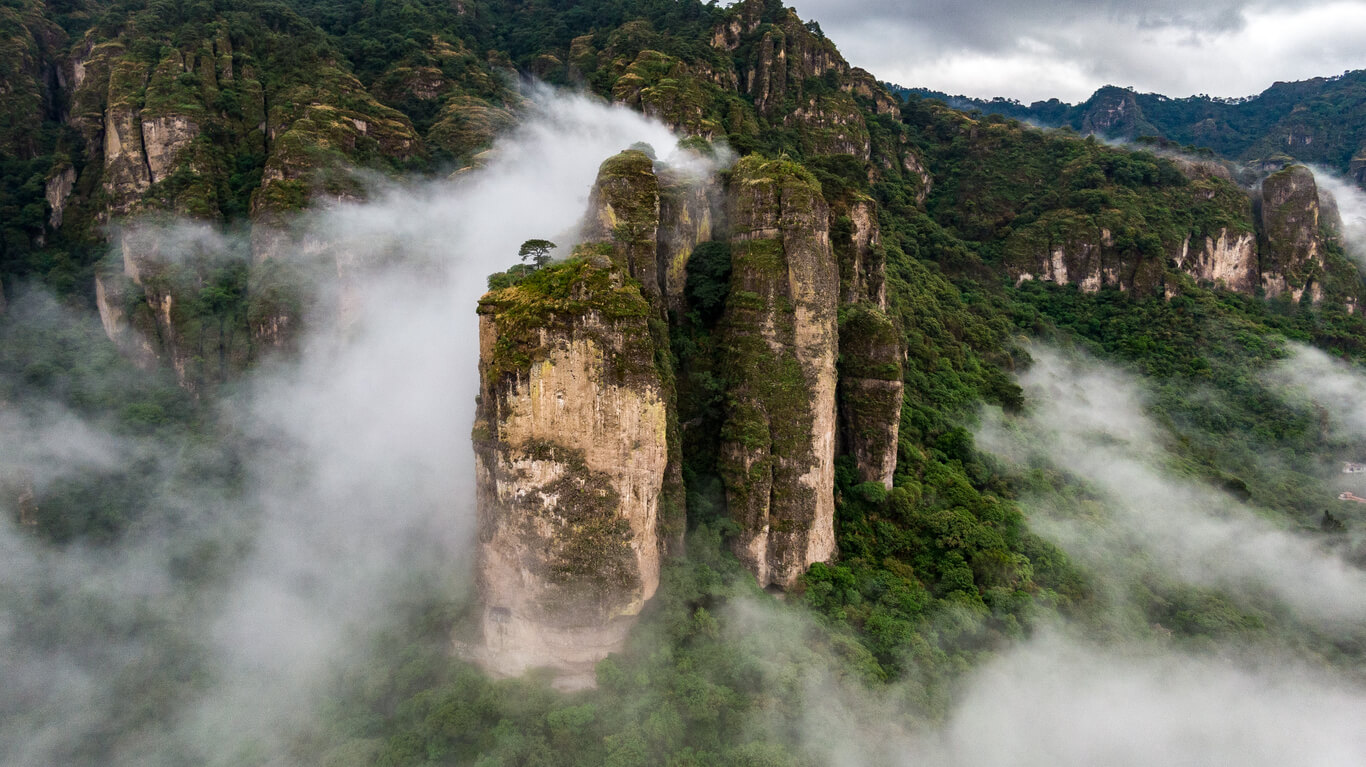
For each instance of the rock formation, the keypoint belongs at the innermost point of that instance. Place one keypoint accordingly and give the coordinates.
(870, 392)
(779, 343)
(1293, 250)
(570, 459)
(1281, 243)
(1229, 262)
(870, 374)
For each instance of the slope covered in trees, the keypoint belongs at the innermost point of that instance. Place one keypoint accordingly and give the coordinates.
(1313, 121)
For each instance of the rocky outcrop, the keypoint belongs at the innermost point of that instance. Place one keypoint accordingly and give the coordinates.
(831, 124)
(870, 392)
(112, 300)
(870, 376)
(163, 139)
(1293, 247)
(1077, 252)
(1115, 112)
(570, 459)
(126, 173)
(58, 189)
(795, 76)
(1229, 262)
(857, 243)
(779, 344)
(623, 211)
(688, 202)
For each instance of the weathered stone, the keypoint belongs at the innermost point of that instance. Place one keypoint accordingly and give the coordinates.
(570, 459)
(687, 200)
(1292, 257)
(870, 392)
(779, 342)
(623, 210)
(164, 139)
(1229, 262)
(58, 189)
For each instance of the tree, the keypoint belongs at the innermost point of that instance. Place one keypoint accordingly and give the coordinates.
(536, 252)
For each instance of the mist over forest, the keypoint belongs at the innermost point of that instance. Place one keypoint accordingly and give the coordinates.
(641, 384)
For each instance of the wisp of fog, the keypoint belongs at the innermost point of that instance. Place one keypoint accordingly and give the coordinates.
(358, 467)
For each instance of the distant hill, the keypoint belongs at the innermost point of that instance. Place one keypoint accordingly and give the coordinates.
(1322, 120)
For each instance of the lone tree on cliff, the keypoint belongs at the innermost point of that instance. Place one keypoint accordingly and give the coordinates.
(536, 252)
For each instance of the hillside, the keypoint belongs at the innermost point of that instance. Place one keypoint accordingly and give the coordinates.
(1311, 121)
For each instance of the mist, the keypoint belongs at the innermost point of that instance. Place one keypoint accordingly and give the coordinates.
(1088, 421)
(1351, 205)
(355, 494)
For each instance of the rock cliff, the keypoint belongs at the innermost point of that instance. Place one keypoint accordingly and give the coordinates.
(779, 344)
(870, 353)
(870, 392)
(571, 454)
(1282, 241)
(1293, 251)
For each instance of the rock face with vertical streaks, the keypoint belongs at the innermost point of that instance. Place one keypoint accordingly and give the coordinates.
(570, 458)
(779, 347)
(1294, 249)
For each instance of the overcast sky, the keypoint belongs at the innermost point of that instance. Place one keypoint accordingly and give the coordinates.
(1038, 49)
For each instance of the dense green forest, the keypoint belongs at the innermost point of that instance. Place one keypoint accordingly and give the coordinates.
(935, 577)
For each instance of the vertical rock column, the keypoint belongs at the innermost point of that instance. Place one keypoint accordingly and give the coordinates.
(626, 218)
(1292, 256)
(570, 458)
(870, 373)
(779, 344)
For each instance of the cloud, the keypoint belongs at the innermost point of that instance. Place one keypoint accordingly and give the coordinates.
(1058, 700)
(1088, 420)
(355, 490)
(1037, 50)
(1351, 205)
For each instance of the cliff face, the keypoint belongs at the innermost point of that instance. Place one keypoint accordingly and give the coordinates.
(779, 345)
(624, 220)
(798, 79)
(1229, 262)
(1293, 242)
(870, 392)
(870, 354)
(1283, 242)
(570, 458)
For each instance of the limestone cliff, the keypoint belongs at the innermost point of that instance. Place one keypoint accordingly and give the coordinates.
(623, 211)
(857, 243)
(570, 458)
(1229, 262)
(688, 211)
(779, 343)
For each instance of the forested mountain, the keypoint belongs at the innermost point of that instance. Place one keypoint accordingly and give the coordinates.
(1313, 121)
(813, 417)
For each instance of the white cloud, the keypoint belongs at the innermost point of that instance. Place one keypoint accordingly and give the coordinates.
(1033, 51)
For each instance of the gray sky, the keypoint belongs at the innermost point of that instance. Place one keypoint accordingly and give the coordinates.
(1038, 49)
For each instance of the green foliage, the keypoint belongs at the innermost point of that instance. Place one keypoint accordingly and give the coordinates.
(536, 252)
